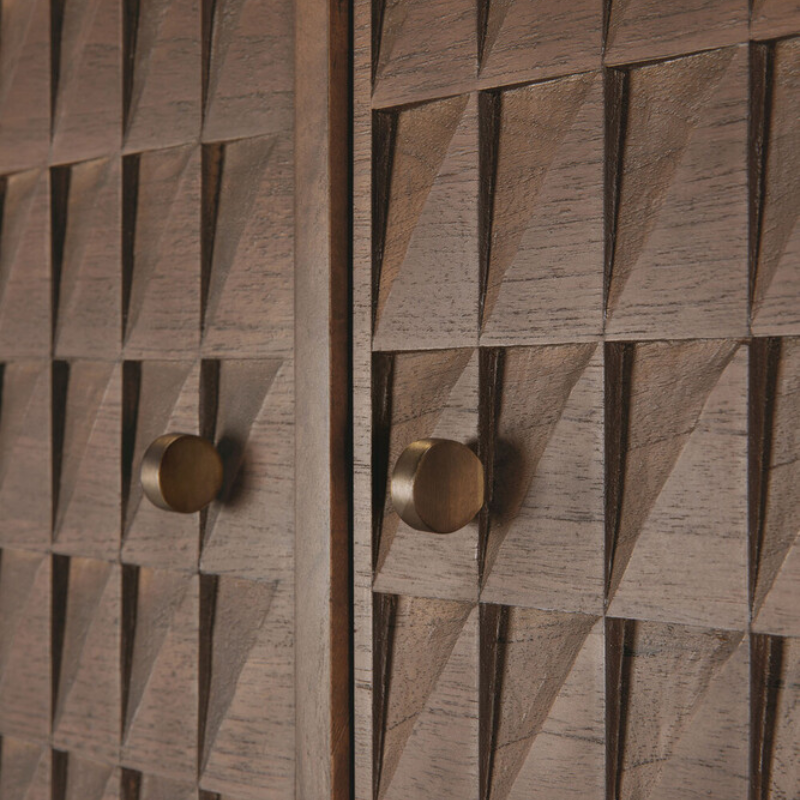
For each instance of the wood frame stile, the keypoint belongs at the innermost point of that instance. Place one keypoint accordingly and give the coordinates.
(322, 328)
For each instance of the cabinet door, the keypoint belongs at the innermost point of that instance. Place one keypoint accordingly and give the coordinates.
(577, 252)
(164, 267)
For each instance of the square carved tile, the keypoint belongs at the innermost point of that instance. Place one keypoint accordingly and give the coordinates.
(677, 194)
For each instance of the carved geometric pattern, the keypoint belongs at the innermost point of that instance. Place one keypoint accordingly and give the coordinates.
(537, 39)
(678, 712)
(676, 412)
(677, 261)
(160, 671)
(426, 256)
(248, 302)
(160, 397)
(771, 18)
(423, 49)
(87, 66)
(163, 95)
(427, 713)
(86, 458)
(424, 394)
(249, 530)
(25, 467)
(161, 288)
(77, 778)
(248, 72)
(244, 749)
(25, 265)
(138, 786)
(86, 636)
(24, 770)
(775, 500)
(776, 279)
(25, 644)
(542, 724)
(545, 537)
(24, 85)
(544, 244)
(642, 30)
(87, 268)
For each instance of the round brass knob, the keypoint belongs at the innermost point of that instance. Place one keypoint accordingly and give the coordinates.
(181, 472)
(437, 485)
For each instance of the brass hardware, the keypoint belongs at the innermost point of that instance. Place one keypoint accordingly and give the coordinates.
(181, 472)
(437, 485)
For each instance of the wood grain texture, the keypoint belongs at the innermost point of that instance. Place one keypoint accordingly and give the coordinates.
(248, 69)
(159, 397)
(25, 85)
(771, 18)
(679, 699)
(427, 724)
(678, 247)
(24, 770)
(87, 242)
(526, 41)
(248, 302)
(776, 271)
(25, 463)
(163, 96)
(685, 418)
(643, 30)
(543, 702)
(77, 778)
(427, 394)
(161, 296)
(545, 534)
(87, 631)
(87, 69)
(249, 530)
(542, 243)
(160, 672)
(426, 259)
(25, 654)
(247, 747)
(25, 311)
(423, 49)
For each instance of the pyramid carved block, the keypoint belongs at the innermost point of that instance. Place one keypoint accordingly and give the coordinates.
(423, 49)
(87, 119)
(543, 239)
(160, 672)
(249, 84)
(25, 85)
(245, 752)
(677, 257)
(542, 705)
(155, 787)
(546, 532)
(25, 679)
(25, 471)
(538, 39)
(87, 657)
(87, 209)
(677, 439)
(775, 526)
(426, 257)
(249, 529)
(771, 18)
(775, 309)
(88, 403)
(24, 770)
(25, 265)
(164, 94)
(643, 30)
(159, 397)
(421, 395)
(162, 228)
(248, 307)
(678, 712)
(82, 779)
(427, 704)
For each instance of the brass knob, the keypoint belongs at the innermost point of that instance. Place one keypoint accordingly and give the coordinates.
(181, 472)
(437, 485)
